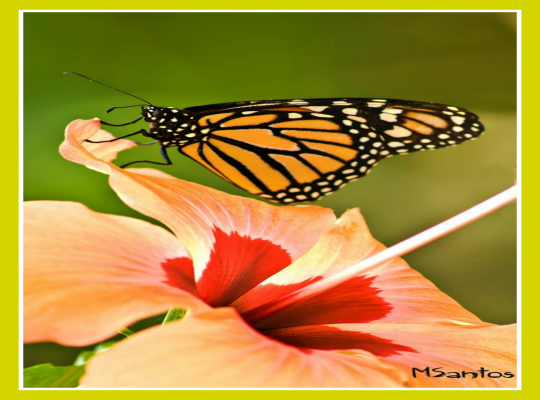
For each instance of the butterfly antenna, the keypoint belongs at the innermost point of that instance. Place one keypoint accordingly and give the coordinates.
(118, 90)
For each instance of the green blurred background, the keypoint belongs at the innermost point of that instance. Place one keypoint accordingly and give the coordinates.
(189, 59)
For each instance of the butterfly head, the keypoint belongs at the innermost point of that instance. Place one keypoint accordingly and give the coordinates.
(168, 125)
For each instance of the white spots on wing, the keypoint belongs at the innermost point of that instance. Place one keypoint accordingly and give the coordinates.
(350, 111)
(248, 112)
(453, 108)
(347, 122)
(392, 111)
(388, 117)
(458, 120)
(375, 105)
(457, 129)
(359, 119)
(295, 115)
(444, 136)
(398, 131)
(322, 115)
(317, 108)
(395, 144)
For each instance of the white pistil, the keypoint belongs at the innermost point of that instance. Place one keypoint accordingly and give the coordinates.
(385, 256)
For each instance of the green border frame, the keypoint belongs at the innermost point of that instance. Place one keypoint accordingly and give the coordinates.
(10, 66)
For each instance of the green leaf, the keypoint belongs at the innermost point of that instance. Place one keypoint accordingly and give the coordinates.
(174, 314)
(49, 376)
(83, 357)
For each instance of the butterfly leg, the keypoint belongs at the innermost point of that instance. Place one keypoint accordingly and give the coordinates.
(147, 144)
(163, 151)
(127, 123)
(141, 131)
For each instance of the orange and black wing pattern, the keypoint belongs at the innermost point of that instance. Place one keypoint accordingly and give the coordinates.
(292, 151)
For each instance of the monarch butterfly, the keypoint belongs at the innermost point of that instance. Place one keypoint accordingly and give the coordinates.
(291, 151)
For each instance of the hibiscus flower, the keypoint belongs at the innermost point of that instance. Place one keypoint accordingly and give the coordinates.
(88, 275)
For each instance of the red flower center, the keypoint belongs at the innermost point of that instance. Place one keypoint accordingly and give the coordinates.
(239, 263)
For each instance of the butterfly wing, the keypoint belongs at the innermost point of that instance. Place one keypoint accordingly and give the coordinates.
(292, 151)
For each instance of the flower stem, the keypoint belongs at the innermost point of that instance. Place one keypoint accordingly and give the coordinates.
(174, 314)
(387, 255)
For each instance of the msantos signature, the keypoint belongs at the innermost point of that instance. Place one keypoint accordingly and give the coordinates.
(438, 372)
(291, 151)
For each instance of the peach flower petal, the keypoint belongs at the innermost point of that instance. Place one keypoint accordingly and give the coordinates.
(393, 292)
(217, 349)
(87, 274)
(200, 216)
(450, 346)
(95, 155)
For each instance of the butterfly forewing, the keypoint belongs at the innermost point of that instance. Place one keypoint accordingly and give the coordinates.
(299, 150)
